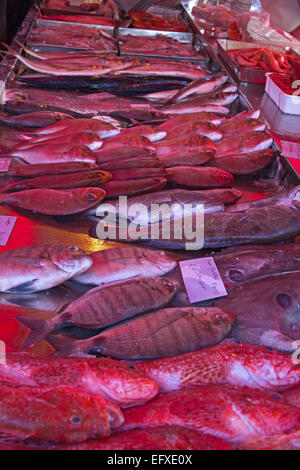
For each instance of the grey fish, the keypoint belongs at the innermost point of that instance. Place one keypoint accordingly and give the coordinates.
(105, 305)
(35, 119)
(125, 262)
(242, 263)
(163, 333)
(262, 225)
(25, 271)
(282, 198)
(267, 310)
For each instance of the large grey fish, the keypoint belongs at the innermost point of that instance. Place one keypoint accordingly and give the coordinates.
(267, 310)
(163, 333)
(30, 270)
(106, 305)
(279, 199)
(262, 225)
(125, 262)
(239, 264)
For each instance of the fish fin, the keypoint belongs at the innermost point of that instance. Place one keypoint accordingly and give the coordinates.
(64, 345)
(23, 288)
(39, 327)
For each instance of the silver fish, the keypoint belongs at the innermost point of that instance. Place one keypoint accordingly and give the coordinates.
(125, 262)
(53, 265)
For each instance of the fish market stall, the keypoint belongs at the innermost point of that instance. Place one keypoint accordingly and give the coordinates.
(149, 235)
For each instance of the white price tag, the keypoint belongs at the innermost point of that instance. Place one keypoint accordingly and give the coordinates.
(290, 149)
(202, 279)
(6, 225)
(4, 164)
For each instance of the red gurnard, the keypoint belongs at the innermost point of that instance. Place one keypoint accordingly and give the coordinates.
(244, 164)
(103, 129)
(235, 414)
(229, 127)
(90, 140)
(55, 414)
(110, 379)
(55, 153)
(235, 364)
(246, 143)
(199, 177)
(130, 187)
(54, 201)
(200, 128)
(160, 438)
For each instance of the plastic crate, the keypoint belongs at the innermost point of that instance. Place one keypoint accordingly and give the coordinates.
(289, 104)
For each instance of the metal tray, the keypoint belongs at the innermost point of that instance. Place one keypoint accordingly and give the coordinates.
(184, 38)
(40, 23)
(9, 63)
(243, 74)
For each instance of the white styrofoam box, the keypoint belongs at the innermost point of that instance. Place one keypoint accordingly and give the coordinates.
(289, 104)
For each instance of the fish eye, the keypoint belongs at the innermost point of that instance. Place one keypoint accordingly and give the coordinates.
(131, 367)
(276, 396)
(73, 248)
(75, 419)
(284, 300)
(220, 317)
(91, 197)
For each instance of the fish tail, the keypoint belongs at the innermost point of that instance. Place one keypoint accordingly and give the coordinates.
(39, 329)
(65, 346)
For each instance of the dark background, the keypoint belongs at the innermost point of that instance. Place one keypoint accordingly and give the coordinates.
(16, 10)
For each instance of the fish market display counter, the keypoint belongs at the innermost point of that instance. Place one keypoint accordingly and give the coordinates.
(145, 205)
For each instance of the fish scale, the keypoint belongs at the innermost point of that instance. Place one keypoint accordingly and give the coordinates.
(106, 305)
(160, 333)
(239, 364)
(236, 414)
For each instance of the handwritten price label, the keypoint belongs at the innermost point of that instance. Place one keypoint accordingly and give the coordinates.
(4, 164)
(6, 226)
(202, 279)
(290, 149)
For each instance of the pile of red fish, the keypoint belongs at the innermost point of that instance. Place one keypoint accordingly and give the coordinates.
(146, 20)
(238, 399)
(264, 58)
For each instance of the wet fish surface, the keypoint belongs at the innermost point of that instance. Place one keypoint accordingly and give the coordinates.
(161, 333)
(273, 319)
(106, 305)
(117, 264)
(112, 380)
(157, 438)
(65, 414)
(233, 364)
(55, 201)
(235, 414)
(55, 264)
